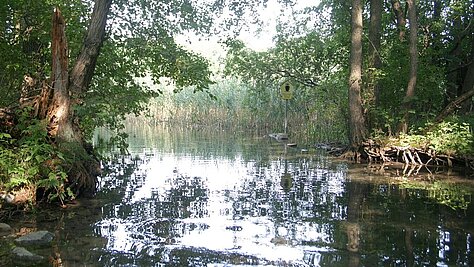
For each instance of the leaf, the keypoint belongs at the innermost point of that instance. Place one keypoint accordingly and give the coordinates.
(5, 136)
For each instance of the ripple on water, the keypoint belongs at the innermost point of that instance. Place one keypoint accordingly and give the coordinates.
(196, 202)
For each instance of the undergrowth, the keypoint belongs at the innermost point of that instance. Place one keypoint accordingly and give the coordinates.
(452, 138)
(28, 159)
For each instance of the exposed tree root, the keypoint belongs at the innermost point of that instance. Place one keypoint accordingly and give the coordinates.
(375, 153)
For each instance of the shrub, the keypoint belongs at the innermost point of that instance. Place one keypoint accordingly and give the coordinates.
(451, 138)
(31, 160)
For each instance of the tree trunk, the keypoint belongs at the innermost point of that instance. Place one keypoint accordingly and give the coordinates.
(435, 40)
(62, 127)
(55, 103)
(401, 21)
(83, 70)
(357, 127)
(374, 47)
(454, 76)
(407, 101)
(468, 85)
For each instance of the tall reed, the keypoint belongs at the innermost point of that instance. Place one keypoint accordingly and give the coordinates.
(236, 106)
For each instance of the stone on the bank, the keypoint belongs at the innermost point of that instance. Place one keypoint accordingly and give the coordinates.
(40, 238)
(5, 229)
(22, 255)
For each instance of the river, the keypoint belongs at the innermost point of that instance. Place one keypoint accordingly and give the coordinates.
(205, 198)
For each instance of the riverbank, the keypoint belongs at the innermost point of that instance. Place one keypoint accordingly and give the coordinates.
(409, 155)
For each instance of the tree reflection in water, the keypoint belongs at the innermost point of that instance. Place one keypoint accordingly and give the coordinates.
(217, 200)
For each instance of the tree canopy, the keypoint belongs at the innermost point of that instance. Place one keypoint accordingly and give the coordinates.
(444, 32)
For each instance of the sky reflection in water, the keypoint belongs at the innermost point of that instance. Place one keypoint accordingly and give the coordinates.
(205, 201)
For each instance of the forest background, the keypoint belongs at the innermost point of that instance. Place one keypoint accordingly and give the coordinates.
(366, 73)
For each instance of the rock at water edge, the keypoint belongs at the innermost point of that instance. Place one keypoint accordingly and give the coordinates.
(40, 238)
(5, 229)
(21, 255)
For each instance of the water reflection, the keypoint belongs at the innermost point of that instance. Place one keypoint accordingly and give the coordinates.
(197, 199)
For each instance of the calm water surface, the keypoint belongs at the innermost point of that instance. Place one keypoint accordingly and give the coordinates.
(191, 198)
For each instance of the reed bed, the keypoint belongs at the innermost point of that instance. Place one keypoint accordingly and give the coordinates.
(233, 106)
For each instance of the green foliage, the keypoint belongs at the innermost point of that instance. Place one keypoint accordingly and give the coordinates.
(451, 138)
(136, 58)
(313, 64)
(55, 185)
(123, 85)
(441, 63)
(139, 44)
(25, 37)
(31, 160)
(7, 156)
(447, 138)
(305, 60)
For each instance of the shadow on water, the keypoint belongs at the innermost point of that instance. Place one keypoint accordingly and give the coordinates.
(196, 198)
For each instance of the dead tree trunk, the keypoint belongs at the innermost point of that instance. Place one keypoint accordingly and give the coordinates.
(59, 122)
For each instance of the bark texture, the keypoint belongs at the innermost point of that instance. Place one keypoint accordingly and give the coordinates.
(60, 125)
(374, 46)
(83, 70)
(407, 101)
(357, 127)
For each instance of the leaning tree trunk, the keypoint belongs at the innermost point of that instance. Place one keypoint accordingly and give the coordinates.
(62, 125)
(83, 70)
(357, 127)
(468, 86)
(407, 101)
